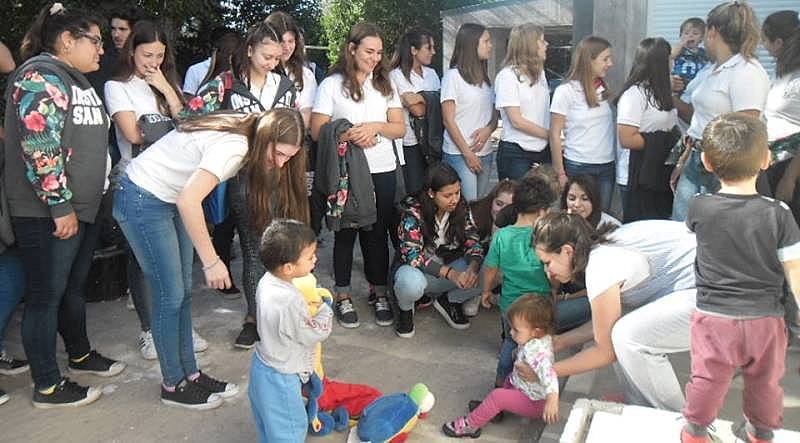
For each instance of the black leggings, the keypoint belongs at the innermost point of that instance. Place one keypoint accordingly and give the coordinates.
(374, 246)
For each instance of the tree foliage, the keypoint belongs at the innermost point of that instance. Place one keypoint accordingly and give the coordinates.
(393, 17)
(192, 20)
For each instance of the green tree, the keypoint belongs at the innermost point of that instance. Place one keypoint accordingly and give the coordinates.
(338, 16)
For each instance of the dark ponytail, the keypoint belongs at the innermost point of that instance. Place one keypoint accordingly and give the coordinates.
(784, 25)
(51, 22)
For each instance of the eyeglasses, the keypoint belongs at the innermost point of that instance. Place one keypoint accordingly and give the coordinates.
(97, 41)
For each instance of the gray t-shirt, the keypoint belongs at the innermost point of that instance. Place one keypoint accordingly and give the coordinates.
(742, 241)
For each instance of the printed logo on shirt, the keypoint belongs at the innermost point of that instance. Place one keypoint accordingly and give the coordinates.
(244, 104)
(87, 107)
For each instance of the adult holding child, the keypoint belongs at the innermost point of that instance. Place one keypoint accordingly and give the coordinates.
(641, 288)
(523, 99)
(56, 159)
(467, 110)
(159, 207)
(440, 251)
(581, 110)
(736, 82)
(360, 91)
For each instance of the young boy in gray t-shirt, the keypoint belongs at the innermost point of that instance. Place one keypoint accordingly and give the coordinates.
(746, 244)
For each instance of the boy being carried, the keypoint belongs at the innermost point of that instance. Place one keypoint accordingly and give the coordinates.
(746, 244)
(689, 56)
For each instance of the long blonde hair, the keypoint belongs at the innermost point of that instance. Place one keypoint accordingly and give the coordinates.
(263, 131)
(737, 24)
(522, 55)
(581, 71)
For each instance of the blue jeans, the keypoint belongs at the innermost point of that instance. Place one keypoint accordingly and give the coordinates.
(514, 162)
(569, 315)
(12, 286)
(162, 246)
(602, 173)
(473, 186)
(410, 284)
(277, 403)
(55, 277)
(694, 179)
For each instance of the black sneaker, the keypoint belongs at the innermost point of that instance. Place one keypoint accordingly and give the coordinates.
(452, 313)
(12, 366)
(346, 313)
(473, 405)
(67, 394)
(221, 388)
(3, 397)
(248, 337)
(424, 302)
(96, 364)
(405, 323)
(190, 396)
(383, 311)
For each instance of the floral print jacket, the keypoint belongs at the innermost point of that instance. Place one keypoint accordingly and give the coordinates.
(414, 252)
(42, 104)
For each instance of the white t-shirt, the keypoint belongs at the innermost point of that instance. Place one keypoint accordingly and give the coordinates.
(783, 107)
(305, 98)
(633, 109)
(165, 167)
(532, 101)
(266, 94)
(195, 75)
(736, 85)
(606, 218)
(428, 82)
(590, 132)
(473, 109)
(136, 96)
(686, 96)
(332, 100)
(649, 259)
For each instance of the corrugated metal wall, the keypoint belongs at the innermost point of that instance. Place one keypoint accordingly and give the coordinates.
(664, 18)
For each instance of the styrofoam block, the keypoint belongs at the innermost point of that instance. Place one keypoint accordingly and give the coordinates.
(600, 422)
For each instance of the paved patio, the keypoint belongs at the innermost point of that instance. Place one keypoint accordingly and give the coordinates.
(457, 366)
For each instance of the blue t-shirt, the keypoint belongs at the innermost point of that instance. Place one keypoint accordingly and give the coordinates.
(690, 62)
(523, 273)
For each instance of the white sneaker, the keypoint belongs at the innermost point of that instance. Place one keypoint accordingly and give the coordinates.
(146, 346)
(471, 306)
(200, 344)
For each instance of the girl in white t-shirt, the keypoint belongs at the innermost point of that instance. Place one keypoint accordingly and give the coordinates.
(523, 99)
(411, 75)
(736, 83)
(145, 82)
(581, 109)
(252, 85)
(359, 90)
(641, 288)
(467, 110)
(293, 61)
(781, 38)
(645, 107)
(159, 207)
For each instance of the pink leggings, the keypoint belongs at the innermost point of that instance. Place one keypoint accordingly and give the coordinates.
(508, 398)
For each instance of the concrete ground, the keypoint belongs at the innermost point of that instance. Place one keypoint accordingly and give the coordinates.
(457, 366)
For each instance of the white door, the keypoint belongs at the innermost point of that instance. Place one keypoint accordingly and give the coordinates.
(664, 18)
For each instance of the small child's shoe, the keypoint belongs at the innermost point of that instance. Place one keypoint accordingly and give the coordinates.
(745, 435)
(460, 428)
